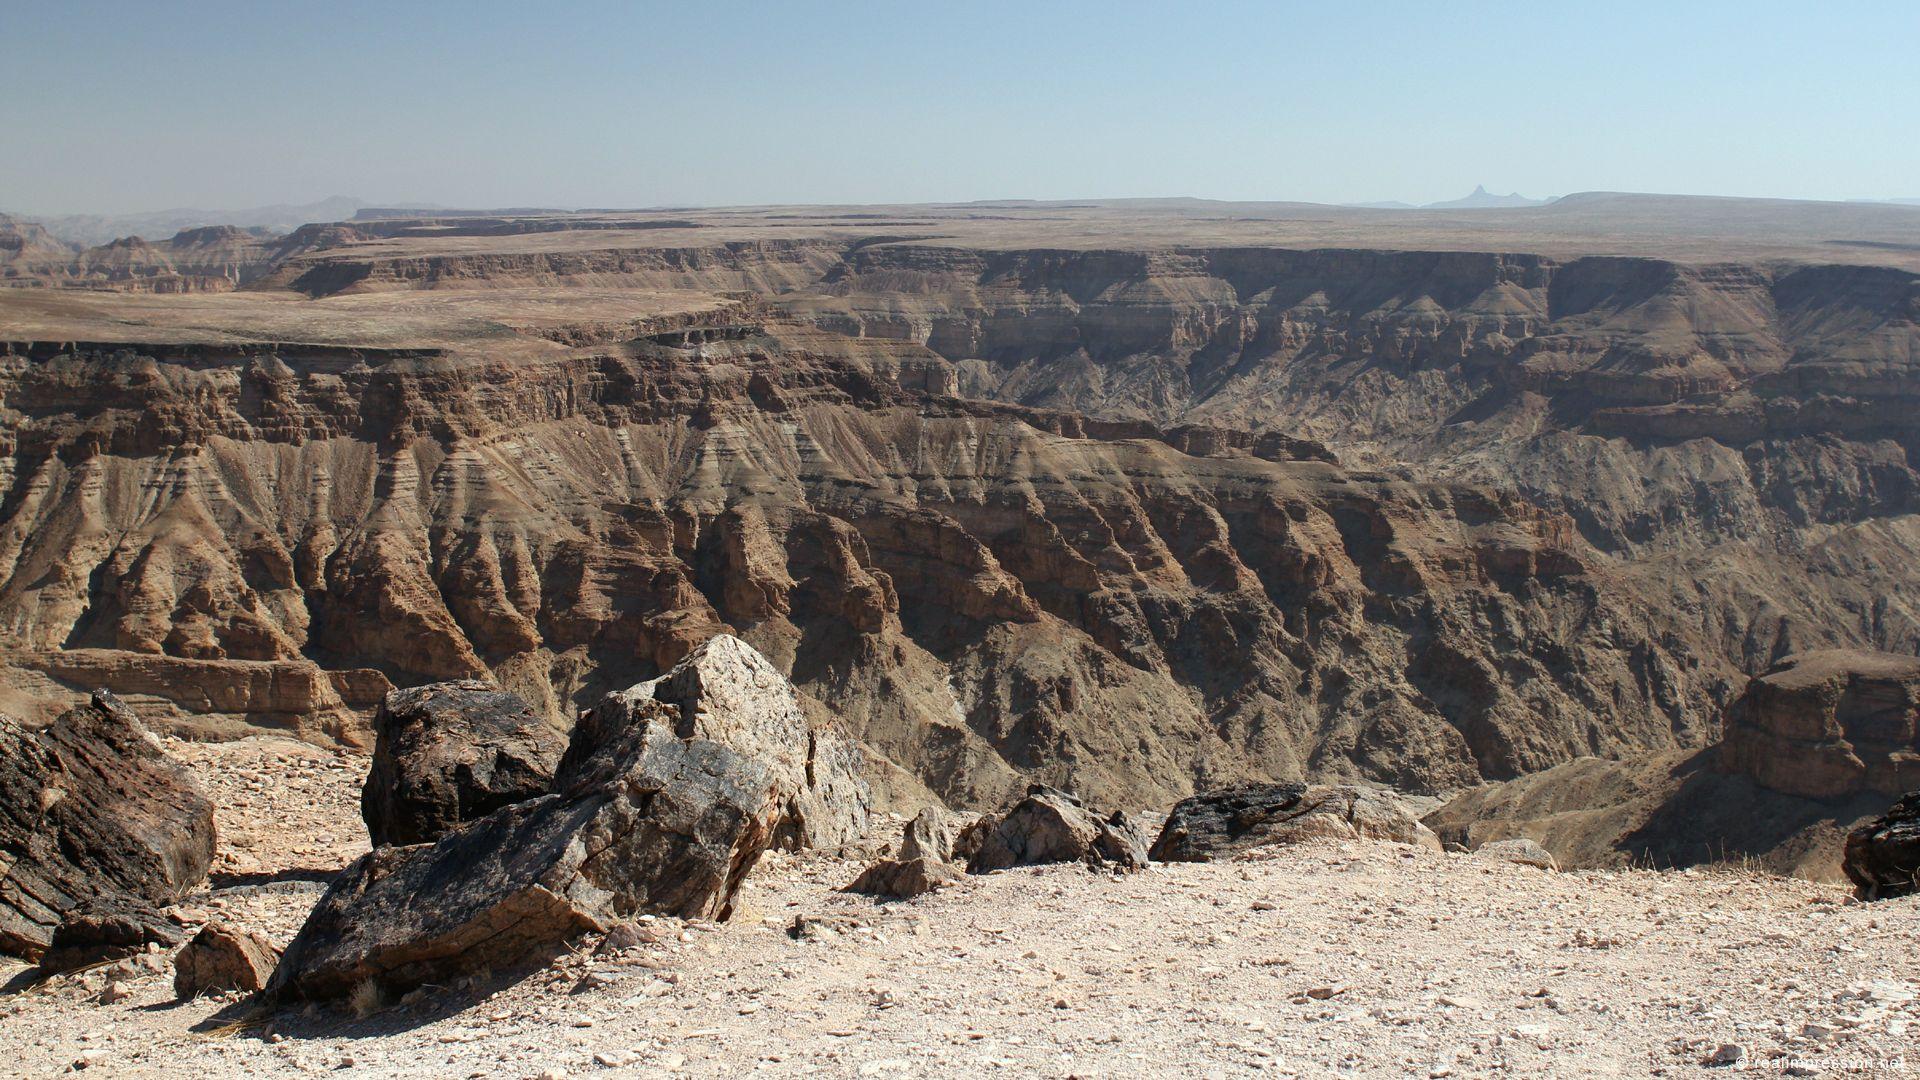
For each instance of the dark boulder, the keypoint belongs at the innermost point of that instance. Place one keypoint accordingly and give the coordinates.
(1220, 824)
(642, 821)
(448, 753)
(104, 931)
(1051, 826)
(1883, 856)
(92, 810)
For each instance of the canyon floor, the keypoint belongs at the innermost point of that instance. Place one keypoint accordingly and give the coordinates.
(1320, 959)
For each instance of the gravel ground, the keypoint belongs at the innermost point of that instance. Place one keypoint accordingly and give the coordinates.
(1348, 959)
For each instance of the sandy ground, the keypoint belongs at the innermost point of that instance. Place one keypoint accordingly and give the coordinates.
(1327, 959)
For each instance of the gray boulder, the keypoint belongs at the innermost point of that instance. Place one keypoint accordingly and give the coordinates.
(642, 821)
(1051, 826)
(450, 752)
(726, 691)
(92, 810)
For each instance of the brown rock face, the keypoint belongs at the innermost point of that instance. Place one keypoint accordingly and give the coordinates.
(92, 811)
(989, 595)
(448, 753)
(1830, 724)
(222, 957)
(644, 822)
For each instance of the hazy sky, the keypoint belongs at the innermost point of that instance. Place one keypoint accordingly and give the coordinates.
(146, 105)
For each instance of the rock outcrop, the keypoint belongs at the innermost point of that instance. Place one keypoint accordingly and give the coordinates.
(1051, 826)
(643, 821)
(726, 691)
(1883, 856)
(222, 957)
(448, 753)
(1829, 724)
(92, 811)
(1220, 824)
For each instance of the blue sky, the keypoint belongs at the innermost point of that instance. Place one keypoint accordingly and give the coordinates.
(135, 106)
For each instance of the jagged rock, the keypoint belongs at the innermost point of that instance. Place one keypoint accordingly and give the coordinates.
(92, 810)
(903, 878)
(1520, 850)
(1051, 826)
(928, 836)
(727, 692)
(1222, 823)
(1828, 724)
(104, 931)
(642, 821)
(222, 957)
(447, 753)
(1883, 856)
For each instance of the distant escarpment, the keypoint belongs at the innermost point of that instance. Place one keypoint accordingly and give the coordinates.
(988, 594)
(1743, 432)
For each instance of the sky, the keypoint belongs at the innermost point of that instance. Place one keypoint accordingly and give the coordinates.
(132, 106)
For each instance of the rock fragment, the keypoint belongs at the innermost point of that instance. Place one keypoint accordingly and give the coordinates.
(222, 957)
(1519, 850)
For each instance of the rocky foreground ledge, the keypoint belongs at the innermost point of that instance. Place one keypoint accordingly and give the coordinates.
(1363, 955)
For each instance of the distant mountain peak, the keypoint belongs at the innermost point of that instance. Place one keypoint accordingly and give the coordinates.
(1482, 199)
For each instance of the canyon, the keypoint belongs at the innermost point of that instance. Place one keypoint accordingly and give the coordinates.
(1132, 498)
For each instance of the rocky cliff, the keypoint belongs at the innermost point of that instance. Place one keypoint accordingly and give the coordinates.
(987, 593)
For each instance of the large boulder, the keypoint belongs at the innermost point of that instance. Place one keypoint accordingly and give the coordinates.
(1223, 823)
(1829, 724)
(726, 691)
(1883, 856)
(642, 821)
(92, 810)
(1051, 826)
(448, 753)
